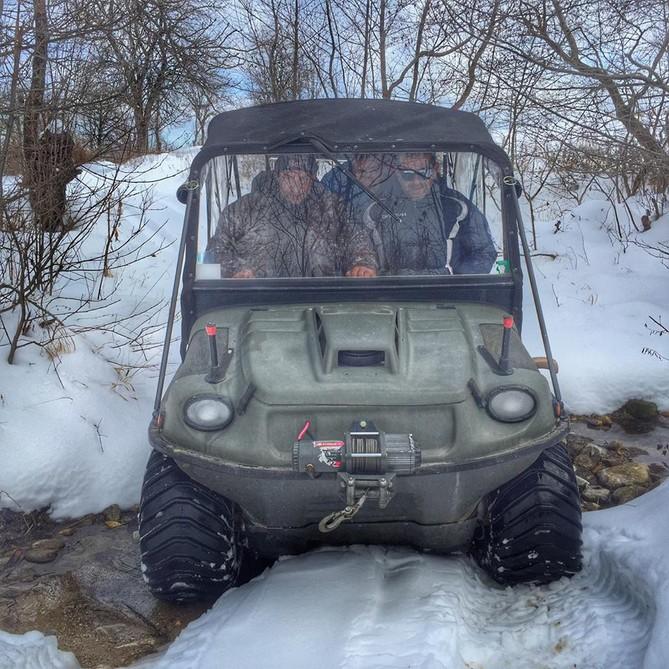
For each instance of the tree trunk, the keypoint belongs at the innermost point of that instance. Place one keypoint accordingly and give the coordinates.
(33, 172)
(141, 131)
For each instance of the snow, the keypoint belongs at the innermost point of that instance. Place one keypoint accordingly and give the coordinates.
(73, 437)
(597, 295)
(33, 650)
(372, 607)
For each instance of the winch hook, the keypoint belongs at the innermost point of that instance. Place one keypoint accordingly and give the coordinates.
(333, 520)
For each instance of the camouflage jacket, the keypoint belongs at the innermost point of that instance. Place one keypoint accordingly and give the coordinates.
(265, 233)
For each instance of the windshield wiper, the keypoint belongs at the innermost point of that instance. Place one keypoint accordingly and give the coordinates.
(322, 147)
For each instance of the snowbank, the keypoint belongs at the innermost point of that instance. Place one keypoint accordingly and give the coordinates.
(597, 294)
(73, 432)
(33, 651)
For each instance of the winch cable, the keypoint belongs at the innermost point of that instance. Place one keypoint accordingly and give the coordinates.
(361, 445)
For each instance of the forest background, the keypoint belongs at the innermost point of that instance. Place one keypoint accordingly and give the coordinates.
(577, 92)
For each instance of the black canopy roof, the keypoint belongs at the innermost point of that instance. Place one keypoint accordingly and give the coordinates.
(344, 125)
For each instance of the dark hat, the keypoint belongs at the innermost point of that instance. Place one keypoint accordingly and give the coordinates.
(295, 161)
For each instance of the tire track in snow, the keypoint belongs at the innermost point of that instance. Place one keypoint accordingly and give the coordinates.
(373, 607)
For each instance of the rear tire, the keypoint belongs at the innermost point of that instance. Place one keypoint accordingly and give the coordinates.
(189, 536)
(532, 529)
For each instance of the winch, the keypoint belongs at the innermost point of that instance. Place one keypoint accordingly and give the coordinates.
(364, 450)
(366, 462)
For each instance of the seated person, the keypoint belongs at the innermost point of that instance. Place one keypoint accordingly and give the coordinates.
(289, 226)
(434, 229)
(372, 170)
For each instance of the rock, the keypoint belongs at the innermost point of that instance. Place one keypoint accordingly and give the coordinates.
(40, 555)
(626, 493)
(631, 473)
(585, 474)
(637, 416)
(112, 513)
(590, 506)
(54, 543)
(44, 550)
(88, 519)
(66, 531)
(589, 457)
(640, 409)
(596, 494)
(658, 471)
(617, 454)
(599, 422)
(113, 524)
(116, 633)
(635, 452)
(581, 482)
(614, 445)
(614, 458)
(576, 443)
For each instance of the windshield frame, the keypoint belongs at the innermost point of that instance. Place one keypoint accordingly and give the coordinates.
(201, 295)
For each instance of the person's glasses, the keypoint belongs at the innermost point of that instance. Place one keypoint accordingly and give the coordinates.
(407, 174)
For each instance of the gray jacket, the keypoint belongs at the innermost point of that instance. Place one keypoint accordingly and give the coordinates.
(442, 233)
(273, 237)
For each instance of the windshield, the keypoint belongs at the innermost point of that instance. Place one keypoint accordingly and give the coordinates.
(349, 215)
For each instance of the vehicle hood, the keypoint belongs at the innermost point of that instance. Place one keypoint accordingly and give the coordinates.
(409, 355)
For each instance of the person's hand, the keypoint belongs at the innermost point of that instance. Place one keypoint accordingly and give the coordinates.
(361, 271)
(244, 274)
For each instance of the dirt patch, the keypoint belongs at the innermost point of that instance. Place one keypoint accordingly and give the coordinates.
(90, 594)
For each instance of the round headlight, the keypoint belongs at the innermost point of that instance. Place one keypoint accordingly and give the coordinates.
(208, 412)
(511, 404)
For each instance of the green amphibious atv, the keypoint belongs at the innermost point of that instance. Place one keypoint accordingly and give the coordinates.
(396, 405)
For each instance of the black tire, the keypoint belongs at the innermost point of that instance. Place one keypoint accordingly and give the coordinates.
(189, 536)
(532, 530)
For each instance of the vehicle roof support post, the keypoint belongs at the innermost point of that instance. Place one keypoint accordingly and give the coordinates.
(510, 182)
(483, 173)
(228, 176)
(173, 300)
(472, 189)
(235, 167)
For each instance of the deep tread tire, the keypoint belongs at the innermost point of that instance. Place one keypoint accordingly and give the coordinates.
(532, 532)
(189, 536)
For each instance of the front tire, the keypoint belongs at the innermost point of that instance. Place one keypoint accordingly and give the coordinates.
(189, 536)
(532, 529)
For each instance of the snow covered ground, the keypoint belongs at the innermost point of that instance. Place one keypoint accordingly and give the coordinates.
(371, 607)
(392, 608)
(73, 437)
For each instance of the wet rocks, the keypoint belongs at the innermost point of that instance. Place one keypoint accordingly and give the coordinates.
(615, 464)
(658, 471)
(44, 550)
(627, 493)
(576, 443)
(599, 422)
(596, 494)
(637, 416)
(112, 513)
(628, 474)
(589, 456)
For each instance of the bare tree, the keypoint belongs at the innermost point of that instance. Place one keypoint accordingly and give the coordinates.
(157, 52)
(606, 65)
